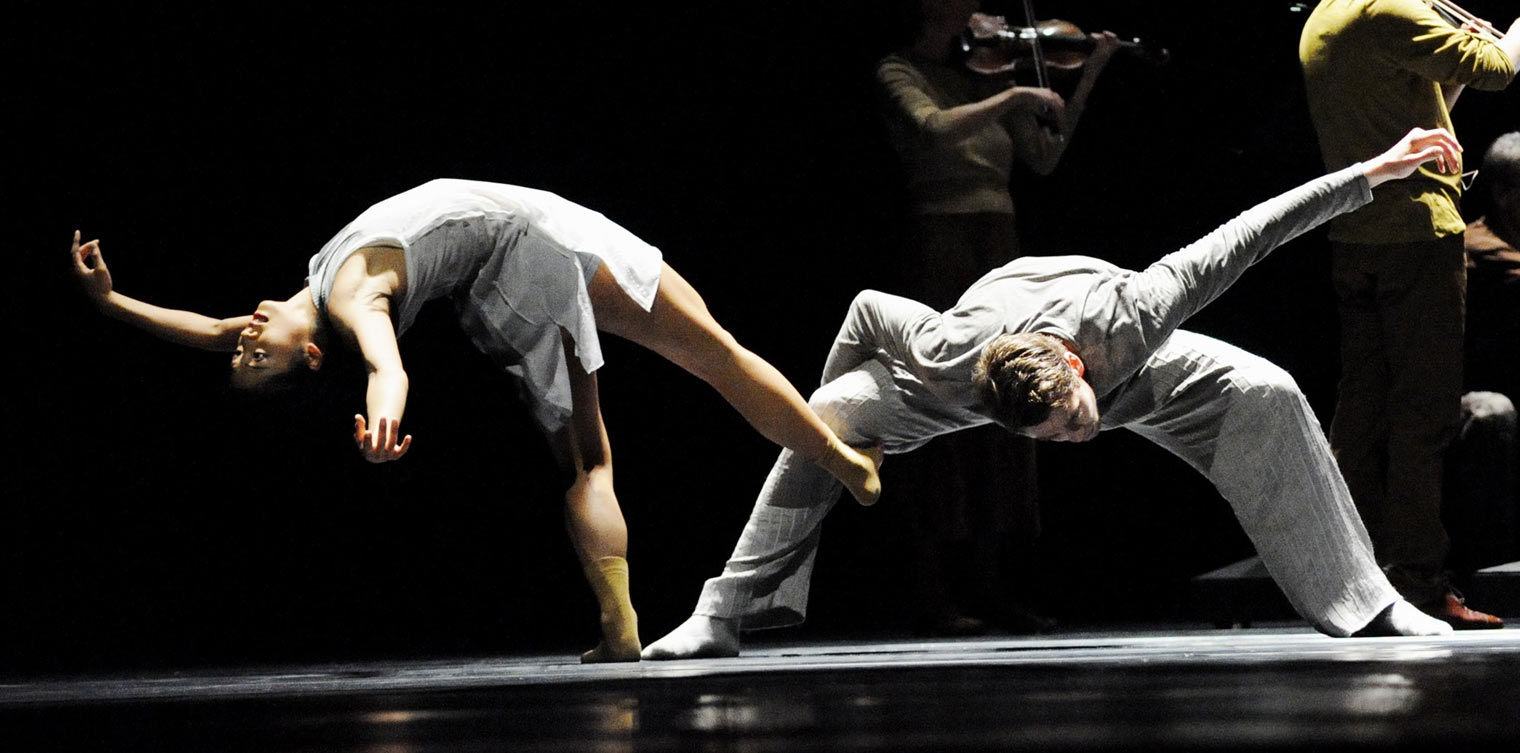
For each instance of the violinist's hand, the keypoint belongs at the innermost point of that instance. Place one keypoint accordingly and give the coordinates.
(1106, 43)
(90, 270)
(383, 444)
(1042, 103)
(1418, 147)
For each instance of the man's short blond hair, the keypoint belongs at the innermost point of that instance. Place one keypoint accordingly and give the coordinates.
(1021, 377)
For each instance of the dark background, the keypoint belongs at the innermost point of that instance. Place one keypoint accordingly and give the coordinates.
(151, 518)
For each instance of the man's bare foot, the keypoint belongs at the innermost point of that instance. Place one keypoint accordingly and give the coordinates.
(699, 637)
(1402, 618)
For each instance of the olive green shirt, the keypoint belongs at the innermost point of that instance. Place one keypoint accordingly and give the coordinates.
(1374, 69)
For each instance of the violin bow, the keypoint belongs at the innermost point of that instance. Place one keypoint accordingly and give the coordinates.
(1041, 74)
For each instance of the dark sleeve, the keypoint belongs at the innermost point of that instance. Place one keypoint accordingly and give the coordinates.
(1415, 38)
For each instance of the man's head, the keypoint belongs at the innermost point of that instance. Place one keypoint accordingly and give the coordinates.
(1032, 383)
(276, 349)
(1501, 168)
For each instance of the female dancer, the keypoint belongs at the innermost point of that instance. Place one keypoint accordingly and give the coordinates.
(533, 277)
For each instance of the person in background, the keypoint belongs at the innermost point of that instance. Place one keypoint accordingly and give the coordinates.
(1481, 512)
(1374, 69)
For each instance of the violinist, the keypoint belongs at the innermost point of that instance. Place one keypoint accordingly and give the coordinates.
(1374, 69)
(960, 136)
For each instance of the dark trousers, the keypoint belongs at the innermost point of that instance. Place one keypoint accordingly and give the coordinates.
(1399, 398)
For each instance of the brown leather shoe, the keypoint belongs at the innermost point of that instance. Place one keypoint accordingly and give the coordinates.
(1453, 609)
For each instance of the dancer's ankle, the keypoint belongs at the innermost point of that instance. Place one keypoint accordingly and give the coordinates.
(856, 469)
(608, 577)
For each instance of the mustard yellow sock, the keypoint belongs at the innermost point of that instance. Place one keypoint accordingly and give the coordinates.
(608, 577)
(856, 469)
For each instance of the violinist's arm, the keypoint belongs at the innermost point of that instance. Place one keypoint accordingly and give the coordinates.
(1039, 147)
(904, 89)
(1107, 45)
(964, 120)
(1510, 45)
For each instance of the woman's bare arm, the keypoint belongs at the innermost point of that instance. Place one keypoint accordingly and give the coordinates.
(360, 309)
(174, 325)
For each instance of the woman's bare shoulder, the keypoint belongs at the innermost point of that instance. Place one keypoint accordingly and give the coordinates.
(370, 271)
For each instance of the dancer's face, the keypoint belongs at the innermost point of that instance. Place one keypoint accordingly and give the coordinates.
(272, 343)
(1074, 419)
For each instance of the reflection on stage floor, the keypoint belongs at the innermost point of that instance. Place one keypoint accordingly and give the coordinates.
(1277, 687)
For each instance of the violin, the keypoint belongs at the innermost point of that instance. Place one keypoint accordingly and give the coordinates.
(991, 46)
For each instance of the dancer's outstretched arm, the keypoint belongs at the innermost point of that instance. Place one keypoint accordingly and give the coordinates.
(174, 325)
(366, 320)
(1181, 283)
(1418, 147)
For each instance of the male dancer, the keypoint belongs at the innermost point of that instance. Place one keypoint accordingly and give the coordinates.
(900, 373)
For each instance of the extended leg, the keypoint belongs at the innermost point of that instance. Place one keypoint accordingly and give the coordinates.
(1243, 422)
(765, 582)
(595, 520)
(679, 327)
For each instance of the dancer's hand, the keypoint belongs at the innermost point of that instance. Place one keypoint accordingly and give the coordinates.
(1418, 147)
(90, 270)
(383, 444)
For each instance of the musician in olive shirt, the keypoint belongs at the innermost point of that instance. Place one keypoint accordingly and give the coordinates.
(1373, 70)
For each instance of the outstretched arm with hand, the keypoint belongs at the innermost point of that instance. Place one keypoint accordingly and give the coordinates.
(366, 319)
(1418, 147)
(174, 325)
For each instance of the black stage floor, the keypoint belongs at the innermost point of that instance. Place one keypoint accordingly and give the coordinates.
(1281, 687)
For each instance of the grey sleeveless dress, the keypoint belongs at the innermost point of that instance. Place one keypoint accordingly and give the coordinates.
(515, 262)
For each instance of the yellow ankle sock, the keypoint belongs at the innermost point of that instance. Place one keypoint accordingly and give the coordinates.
(608, 577)
(856, 469)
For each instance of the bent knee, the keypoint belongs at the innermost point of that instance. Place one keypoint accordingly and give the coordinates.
(839, 404)
(834, 413)
(863, 407)
(1267, 390)
(1265, 379)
